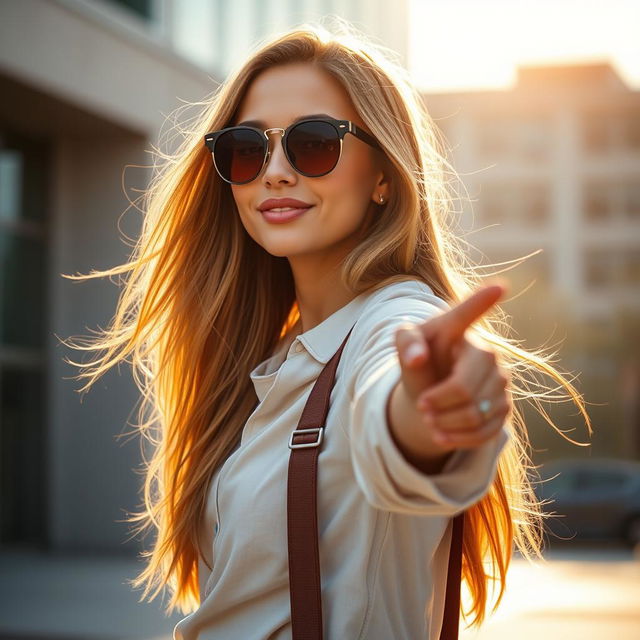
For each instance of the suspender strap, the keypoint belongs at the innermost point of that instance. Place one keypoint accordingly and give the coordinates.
(451, 616)
(302, 519)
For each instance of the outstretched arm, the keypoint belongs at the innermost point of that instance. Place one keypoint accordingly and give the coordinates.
(433, 409)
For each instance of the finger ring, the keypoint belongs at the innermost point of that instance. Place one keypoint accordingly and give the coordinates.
(484, 406)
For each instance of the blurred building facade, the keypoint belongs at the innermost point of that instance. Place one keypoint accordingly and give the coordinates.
(553, 164)
(86, 86)
(218, 33)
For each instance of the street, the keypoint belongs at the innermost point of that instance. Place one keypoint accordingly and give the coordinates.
(581, 592)
(588, 592)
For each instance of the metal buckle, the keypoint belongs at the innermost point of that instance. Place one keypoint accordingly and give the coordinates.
(304, 445)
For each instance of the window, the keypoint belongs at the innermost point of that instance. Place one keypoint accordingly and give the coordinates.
(595, 134)
(23, 248)
(604, 132)
(526, 137)
(607, 202)
(600, 267)
(632, 201)
(597, 203)
(524, 204)
(142, 8)
(631, 267)
(607, 267)
(631, 132)
(535, 205)
(599, 132)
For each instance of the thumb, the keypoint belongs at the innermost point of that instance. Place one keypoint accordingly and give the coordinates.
(415, 356)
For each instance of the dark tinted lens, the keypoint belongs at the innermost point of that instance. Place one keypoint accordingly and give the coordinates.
(239, 154)
(314, 147)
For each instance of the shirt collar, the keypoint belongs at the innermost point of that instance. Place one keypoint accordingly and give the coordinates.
(321, 343)
(324, 339)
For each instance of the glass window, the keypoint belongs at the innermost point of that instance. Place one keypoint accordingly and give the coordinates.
(598, 132)
(535, 138)
(198, 31)
(632, 132)
(11, 172)
(23, 249)
(524, 137)
(597, 203)
(600, 267)
(22, 455)
(525, 204)
(612, 267)
(535, 206)
(605, 202)
(631, 267)
(632, 201)
(141, 8)
(22, 278)
(23, 183)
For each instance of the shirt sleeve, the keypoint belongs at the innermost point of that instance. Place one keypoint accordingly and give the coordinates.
(387, 479)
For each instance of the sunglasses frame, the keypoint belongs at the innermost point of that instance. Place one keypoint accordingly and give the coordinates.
(342, 127)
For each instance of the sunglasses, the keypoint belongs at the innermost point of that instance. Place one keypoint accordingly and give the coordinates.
(313, 148)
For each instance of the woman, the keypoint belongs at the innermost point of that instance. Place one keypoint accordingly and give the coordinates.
(255, 261)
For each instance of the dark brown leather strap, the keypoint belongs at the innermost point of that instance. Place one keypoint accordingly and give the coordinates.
(302, 519)
(451, 615)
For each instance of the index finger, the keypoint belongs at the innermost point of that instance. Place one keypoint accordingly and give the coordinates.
(460, 317)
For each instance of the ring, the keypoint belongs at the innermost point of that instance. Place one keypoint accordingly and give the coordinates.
(484, 406)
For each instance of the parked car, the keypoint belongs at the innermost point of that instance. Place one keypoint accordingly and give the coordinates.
(598, 499)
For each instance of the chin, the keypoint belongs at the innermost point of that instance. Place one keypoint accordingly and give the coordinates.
(287, 249)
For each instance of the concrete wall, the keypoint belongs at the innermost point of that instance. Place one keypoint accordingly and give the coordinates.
(97, 92)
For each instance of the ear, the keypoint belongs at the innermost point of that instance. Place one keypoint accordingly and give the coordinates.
(382, 190)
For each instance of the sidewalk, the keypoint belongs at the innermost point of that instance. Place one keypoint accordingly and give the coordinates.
(58, 597)
(586, 593)
(583, 592)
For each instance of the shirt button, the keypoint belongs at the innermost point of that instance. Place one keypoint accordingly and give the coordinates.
(299, 347)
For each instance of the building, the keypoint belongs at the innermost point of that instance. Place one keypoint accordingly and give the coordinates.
(86, 86)
(554, 163)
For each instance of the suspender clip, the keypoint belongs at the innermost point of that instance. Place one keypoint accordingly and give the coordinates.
(304, 445)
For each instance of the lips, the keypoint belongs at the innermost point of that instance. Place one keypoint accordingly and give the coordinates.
(283, 203)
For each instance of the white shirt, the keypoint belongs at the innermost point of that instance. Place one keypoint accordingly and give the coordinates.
(384, 527)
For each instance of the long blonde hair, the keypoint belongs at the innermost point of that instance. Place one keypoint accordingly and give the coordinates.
(198, 285)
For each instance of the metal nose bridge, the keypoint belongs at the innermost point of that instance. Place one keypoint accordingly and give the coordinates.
(268, 131)
(266, 135)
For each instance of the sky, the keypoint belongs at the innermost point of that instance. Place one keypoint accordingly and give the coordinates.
(458, 45)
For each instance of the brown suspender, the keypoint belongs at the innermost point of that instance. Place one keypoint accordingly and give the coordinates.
(302, 520)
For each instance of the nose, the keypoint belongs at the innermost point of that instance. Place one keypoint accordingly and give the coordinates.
(277, 167)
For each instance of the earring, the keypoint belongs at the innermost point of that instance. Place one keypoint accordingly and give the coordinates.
(381, 199)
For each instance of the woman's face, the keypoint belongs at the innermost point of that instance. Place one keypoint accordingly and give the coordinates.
(342, 200)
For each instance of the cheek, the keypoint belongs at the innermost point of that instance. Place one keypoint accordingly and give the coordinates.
(244, 198)
(241, 195)
(349, 186)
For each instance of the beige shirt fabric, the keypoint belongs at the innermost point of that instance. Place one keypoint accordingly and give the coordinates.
(384, 527)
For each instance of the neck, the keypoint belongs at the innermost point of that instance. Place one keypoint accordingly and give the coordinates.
(319, 293)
